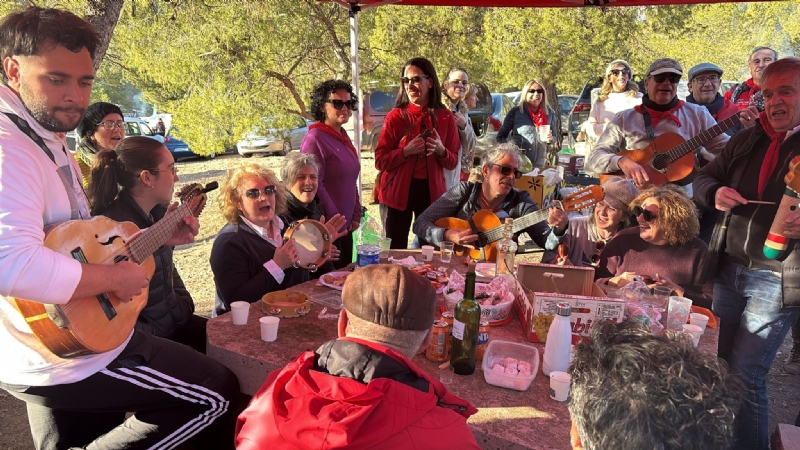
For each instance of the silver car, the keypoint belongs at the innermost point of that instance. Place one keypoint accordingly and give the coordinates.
(269, 140)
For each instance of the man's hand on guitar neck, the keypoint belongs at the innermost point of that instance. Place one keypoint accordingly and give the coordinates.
(748, 116)
(464, 238)
(558, 220)
(633, 171)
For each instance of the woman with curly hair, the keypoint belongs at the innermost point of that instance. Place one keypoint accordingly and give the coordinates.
(249, 257)
(617, 93)
(664, 248)
(332, 104)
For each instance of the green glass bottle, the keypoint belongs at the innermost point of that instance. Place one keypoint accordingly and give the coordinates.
(466, 321)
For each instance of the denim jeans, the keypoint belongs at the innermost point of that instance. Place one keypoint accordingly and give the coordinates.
(751, 299)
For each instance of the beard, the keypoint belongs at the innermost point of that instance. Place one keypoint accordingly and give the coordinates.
(38, 109)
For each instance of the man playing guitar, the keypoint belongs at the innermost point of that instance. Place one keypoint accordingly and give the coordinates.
(500, 167)
(173, 391)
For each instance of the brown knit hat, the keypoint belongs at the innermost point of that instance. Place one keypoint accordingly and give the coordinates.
(391, 296)
(619, 192)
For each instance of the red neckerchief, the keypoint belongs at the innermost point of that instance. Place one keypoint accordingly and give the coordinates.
(771, 158)
(656, 116)
(341, 137)
(420, 119)
(538, 117)
(752, 85)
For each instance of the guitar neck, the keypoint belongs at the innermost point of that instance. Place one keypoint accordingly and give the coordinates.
(496, 233)
(149, 240)
(692, 144)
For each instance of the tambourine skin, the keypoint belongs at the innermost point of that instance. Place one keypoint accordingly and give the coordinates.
(313, 243)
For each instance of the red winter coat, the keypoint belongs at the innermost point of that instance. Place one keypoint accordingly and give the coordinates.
(302, 408)
(397, 170)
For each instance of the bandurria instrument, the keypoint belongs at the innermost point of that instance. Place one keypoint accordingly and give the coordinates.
(776, 243)
(101, 323)
(313, 242)
(490, 229)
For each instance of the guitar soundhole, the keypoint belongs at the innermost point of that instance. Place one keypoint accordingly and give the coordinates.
(660, 162)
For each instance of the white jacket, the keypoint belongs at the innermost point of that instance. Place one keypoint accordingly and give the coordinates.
(32, 197)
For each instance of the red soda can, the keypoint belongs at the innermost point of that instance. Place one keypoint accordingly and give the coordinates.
(437, 349)
(483, 339)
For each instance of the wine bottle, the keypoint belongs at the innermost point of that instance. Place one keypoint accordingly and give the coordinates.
(466, 321)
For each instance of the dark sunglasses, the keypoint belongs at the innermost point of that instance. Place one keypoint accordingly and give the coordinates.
(415, 80)
(647, 214)
(598, 246)
(461, 82)
(660, 78)
(506, 171)
(619, 72)
(256, 193)
(538, 91)
(352, 105)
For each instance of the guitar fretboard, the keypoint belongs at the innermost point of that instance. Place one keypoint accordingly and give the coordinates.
(148, 241)
(496, 233)
(663, 160)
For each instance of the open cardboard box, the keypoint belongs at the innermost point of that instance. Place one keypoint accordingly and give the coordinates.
(542, 286)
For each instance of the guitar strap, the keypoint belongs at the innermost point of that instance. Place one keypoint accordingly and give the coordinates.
(648, 124)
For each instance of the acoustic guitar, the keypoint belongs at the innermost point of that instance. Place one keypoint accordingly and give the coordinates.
(101, 323)
(490, 229)
(668, 159)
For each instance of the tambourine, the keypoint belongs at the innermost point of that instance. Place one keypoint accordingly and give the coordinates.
(313, 242)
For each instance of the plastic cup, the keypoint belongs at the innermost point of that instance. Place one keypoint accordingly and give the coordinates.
(239, 312)
(678, 312)
(559, 386)
(447, 252)
(427, 253)
(661, 296)
(386, 244)
(694, 331)
(269, 328)
(701, 320)
(544, 132)
(446, 375)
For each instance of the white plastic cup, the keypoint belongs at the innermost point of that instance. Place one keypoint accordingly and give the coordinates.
(694, 331)
(239, 312)
(269, 328)
(386, 245)
(701, 320)
(678, 312)
(427, 253)
(559, 386)
(544, 132)
(447, 252)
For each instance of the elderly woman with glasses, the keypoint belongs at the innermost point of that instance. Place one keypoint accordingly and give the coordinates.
(522, 123)
(588, 235)
(101, 128)
(249, 257)
(664, 249)
(499, 167)
(418, 140)
(133, 183)
(455, 89)
(617, 93)
(337, 161)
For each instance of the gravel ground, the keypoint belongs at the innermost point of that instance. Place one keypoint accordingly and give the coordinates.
(192, 262)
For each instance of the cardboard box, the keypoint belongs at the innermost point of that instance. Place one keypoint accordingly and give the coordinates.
(542, 286)
(541, 194)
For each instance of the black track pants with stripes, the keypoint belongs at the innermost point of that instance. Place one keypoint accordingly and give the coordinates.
(175, 393)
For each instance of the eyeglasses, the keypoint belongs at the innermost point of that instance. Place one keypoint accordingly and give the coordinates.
(461, 82)
(255, 193)
(619, 72)
(660, 78)
(415, 80)
(110, 124)
(352, 105)
(506, 171)
(537, 91)
(598, 246)
(648, 215)
(174, 170)
(702, 80)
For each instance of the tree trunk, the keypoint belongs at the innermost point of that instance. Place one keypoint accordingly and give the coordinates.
(103, 15)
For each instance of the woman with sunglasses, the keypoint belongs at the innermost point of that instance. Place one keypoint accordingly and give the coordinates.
(249, 257)
(418, 140)
(664, 248)
(588, 235)
(520, 123)
(132, 183)
(101, 128)
(455, 89)
(332, 104)
(617, 93)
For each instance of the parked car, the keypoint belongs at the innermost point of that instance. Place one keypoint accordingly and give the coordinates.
(180, 149)
(375, 105)
(267, 139)
(565, 103)
(487, 118)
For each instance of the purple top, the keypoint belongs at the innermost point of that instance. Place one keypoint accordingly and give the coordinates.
(338, 173)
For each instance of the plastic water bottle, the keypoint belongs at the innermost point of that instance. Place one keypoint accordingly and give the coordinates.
(559, 340)
(368, 254)
(367, 241)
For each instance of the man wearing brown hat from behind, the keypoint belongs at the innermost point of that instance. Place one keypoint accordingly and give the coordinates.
(362, 390)
(661, 112)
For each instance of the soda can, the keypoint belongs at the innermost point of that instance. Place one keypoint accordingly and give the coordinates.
(437, 349)
(483, 339)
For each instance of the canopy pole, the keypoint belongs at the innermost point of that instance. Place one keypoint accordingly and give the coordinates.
(354, 10)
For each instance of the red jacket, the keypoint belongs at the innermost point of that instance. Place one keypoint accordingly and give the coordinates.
(397, 170)
(728, 109)
(302, 408)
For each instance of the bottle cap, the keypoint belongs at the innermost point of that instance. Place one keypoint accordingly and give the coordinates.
(563, 309)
